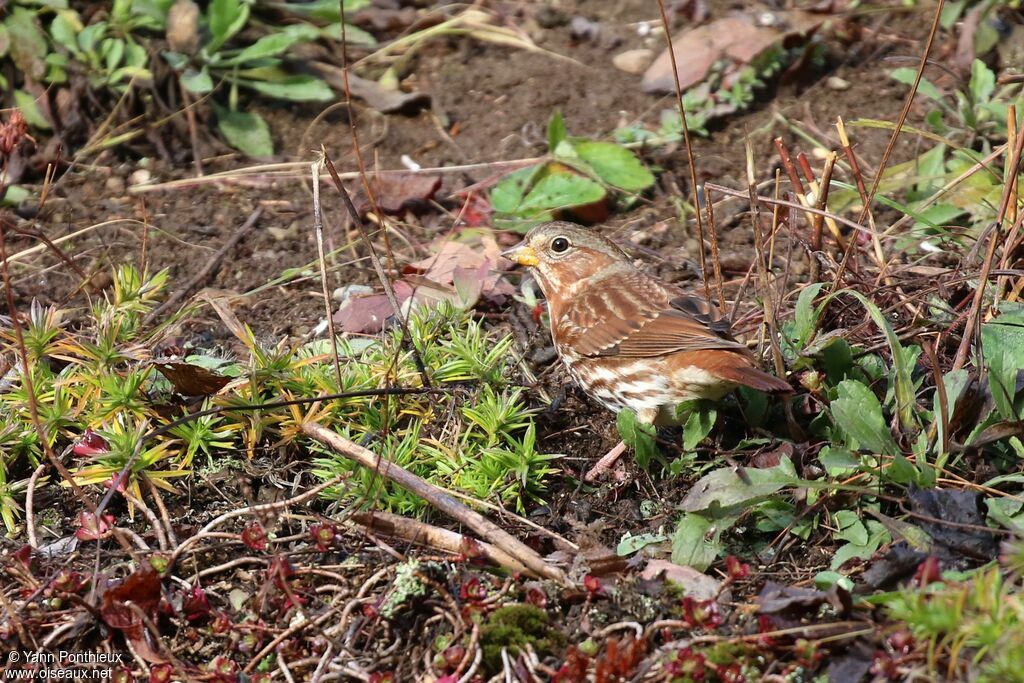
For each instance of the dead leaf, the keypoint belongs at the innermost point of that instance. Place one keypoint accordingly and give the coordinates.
(141, 589)
(384, 100)
(695, 584)
(737, 39)
(396, 193)
(479, 259)
(369, 314)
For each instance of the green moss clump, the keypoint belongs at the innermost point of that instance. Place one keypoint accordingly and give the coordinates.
(513, 627)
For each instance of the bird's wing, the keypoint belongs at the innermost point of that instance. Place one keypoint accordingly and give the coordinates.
(639, 316)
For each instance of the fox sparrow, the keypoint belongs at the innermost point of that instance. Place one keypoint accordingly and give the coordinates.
(629, 339)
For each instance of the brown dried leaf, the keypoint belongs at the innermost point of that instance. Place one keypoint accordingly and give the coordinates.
(191, 380)
(695, 584)
(738, 38)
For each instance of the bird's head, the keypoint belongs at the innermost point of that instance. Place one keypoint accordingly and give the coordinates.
(563, 254)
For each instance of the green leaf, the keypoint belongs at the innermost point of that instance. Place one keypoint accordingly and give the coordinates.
(697, 541)
(5, 40)
(64, 30)
(198, 82)
(725, 488)
(903, 361)
(225, 18)
(906, 76)
(858, 413)
(556, 130)
(508, 193)
(877, 535)
(615, 165)
(983, 82)
(269, 46)
(558, 191)
(806, 316)
(28, 43)
(245, 131)
(638, 436)
(320, 10)
(1002, 343)
(630, 544)
(176, 60)
(699, 424)
(838, 462)
(30, 110)
(297, 88)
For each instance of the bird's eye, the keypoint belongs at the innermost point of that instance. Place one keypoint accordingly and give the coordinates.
(559, 244)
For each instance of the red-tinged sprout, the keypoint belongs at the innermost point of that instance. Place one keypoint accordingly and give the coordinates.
(223, 669)
(688, 665)
(592, 584)
(23, 555)
(92, 529)
(536, 597)
(901, 642)
(68, 581)
(928, 572)
(323, 535)
(161, 673)
(472, 590)
(737, 570)
(90, 444)
(221, 623)
(255, 537)
(122, 675)
(370, 611)
(13, 132)
(885, 667)
(382, 677)
(701, 613)
(454, 655)
(196, 605)
(731, 674)
(807, 652)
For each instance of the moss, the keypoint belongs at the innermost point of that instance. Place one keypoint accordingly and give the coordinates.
(514, 626)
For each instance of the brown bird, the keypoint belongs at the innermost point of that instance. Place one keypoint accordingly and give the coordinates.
(629, 339)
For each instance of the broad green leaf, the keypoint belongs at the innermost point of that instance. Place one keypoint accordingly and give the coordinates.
(906, 76)
(297, 88)
(838, 462)
(806, 317)
(903, 362)
(353, 34)
(14, 195)
(508, 193)
(273, 44)
(28, 44)
(638, 436)
(1002, 343)
(699, 424)
(851, 528)
(225, 19)
(556, 130)
(176, 60)
(615, 165)
(5, 40)
(697, 541)
(725, 488)
(30, 110)
(245, 131)
(630, 544)
(198, 82)
(560, 190)
(319, 10)
(877, 535)
(858, 413)
(983, 82)
(64, 30)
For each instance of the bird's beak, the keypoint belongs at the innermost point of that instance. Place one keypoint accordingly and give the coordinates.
(522, 254)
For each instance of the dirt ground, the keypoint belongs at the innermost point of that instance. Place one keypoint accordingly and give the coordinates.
(490, 103)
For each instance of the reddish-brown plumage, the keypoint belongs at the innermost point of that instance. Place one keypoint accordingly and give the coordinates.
(628, 338)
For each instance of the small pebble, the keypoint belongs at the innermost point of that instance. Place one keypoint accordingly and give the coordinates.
(836, 83)
(115, 185)
(633, 61)
(140, 177)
